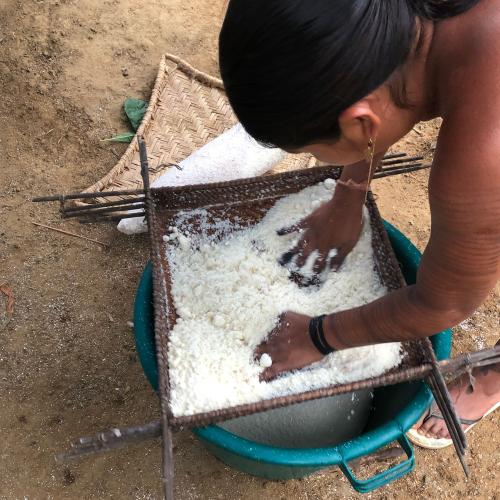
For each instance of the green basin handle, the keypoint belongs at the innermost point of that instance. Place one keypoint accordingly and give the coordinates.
(385, 477)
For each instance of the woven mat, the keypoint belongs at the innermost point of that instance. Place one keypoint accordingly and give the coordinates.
(187, 109)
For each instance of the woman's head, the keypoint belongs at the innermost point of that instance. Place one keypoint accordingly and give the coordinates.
(291, 68)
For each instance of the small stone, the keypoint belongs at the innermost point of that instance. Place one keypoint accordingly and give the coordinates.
(124, 71)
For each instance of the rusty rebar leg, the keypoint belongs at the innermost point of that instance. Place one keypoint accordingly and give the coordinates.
(459, 445)
(446, 406)
(167, 464)
(167, 455)
(110, 440)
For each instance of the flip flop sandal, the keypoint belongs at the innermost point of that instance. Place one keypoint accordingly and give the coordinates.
(437, 443)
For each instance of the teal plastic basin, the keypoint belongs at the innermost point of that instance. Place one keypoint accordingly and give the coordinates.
(395, 408)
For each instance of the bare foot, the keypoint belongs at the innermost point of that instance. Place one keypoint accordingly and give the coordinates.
(470, 404)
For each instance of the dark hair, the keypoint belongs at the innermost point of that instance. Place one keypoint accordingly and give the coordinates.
(290, 67)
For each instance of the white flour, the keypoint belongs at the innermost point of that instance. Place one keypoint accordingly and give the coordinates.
(229, 289)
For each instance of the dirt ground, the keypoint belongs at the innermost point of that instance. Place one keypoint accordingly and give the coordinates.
(68, 365)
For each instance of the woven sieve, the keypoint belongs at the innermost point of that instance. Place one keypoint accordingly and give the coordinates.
(248, 200)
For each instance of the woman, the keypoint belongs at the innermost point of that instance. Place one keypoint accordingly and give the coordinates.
(344, 80)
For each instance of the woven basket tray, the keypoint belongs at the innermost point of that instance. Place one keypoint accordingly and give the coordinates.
(249, 200)
(187, 109)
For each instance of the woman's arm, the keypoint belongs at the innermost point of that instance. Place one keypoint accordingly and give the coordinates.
(459, 267)
(461, 262)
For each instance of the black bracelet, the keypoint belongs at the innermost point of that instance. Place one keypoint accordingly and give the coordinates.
(313, 333)
(318, 335)
(322, 337)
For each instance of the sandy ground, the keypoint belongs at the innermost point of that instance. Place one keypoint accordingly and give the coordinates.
(68, 366)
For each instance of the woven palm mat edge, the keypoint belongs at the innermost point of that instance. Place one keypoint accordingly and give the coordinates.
(126, 172)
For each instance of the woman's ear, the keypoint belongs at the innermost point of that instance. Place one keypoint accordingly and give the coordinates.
(359, 123)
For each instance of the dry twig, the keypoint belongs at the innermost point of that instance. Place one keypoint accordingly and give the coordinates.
(68, 233)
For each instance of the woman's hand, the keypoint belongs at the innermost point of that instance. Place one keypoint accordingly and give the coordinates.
(335, 225)
(288, 345)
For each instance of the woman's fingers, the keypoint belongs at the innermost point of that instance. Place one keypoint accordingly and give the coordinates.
(302, 256)
(319, 264)
(271, 373)
(337, 260)
(287, 257)
(264, 346)
(287, 230)
(291, 229)
(296, 250)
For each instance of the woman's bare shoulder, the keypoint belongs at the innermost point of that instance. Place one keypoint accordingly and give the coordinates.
(469, 59)
(466, 168)
(469, 89)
